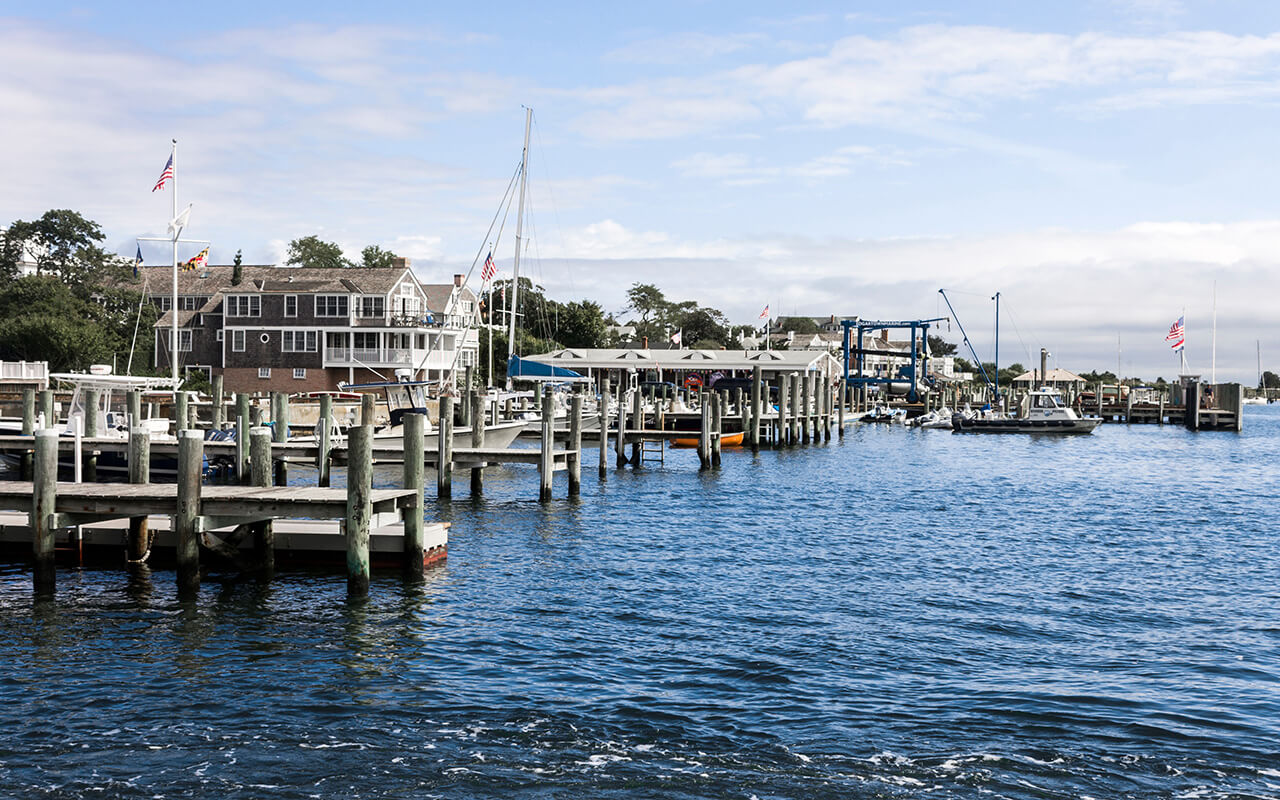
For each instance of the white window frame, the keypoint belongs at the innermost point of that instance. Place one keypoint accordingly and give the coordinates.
(340, 301)
(289, 341)
(371, 300)
(184, 336)
(218, 334)
(291, 298)
(264, 372)
(237, 340)
(252, 305)
(299, 373)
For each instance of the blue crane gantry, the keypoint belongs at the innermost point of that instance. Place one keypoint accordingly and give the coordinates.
(921, 325)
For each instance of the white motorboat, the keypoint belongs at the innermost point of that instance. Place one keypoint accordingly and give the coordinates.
(1045, 413)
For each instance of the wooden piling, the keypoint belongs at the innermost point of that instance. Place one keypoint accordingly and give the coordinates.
(545, 466)
(242, 437)
(637, 417)
(757, 387)
(794, 420)
(139, 543)
(465, 411)
(28, 428)
(575, 444)
(181, 412)
(603, 411)
(842, 398)
(263, 531)
(43, 503)
(219, 410)
(186, 537)
(806, 406)
(359, 508)
(782, 431)
(324, 440)
(477, 438)
(92, 397)
(622, 428)
(704, 431)
(415, 445)
(717, 426)
(280, 433)
(46, 408)
(444, 453)
(368, 407)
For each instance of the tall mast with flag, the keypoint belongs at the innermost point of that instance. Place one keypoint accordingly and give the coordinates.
(170, 175)
(1177, 339)
(515, 267)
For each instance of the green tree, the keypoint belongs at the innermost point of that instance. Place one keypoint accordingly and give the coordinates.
(648, 301)
(43, 319)
(581, 324)
(237, 271)
(1010, 372)
(63, 244)
(1270, 380)
(940, 347)
(798, 324)
(310, 251)
(374, 257)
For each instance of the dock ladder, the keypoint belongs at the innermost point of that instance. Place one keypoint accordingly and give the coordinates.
(653, 450)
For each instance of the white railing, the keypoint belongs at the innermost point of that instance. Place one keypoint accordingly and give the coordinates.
(367, 355)
(25, 371)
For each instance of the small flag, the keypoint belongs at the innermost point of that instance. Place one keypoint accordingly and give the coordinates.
(675, 337)
(764, 314)
(179, 222)
(167, 175)
(137, 261)
(488, 270)
(199, 260)
(1177, 335)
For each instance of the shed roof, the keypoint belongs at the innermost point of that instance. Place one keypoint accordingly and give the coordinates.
(675, 360)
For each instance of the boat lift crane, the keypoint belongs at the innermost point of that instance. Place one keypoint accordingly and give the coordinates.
(860, 352)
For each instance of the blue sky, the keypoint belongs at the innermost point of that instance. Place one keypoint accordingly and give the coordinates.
(1103, 164)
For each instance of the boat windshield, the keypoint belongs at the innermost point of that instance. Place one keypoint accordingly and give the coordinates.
(1045, 401)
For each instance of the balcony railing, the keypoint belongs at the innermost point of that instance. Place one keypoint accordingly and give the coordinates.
(367, 355)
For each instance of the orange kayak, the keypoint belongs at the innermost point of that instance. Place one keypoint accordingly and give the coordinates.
(727, 440)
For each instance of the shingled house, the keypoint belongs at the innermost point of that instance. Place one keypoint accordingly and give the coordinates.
(304, 330)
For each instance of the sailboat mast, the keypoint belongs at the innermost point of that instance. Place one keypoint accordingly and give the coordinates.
(997, 365)
(515, 268)
(173, 309)
(1213, 358)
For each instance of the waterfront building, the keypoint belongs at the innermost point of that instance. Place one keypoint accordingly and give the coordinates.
(295, 329)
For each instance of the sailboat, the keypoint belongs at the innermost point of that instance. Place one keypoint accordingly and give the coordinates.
(1261, 398)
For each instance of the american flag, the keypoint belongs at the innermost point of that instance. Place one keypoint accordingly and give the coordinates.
(488, 270)
(1177, 335)
(764, 314)
(167, 175)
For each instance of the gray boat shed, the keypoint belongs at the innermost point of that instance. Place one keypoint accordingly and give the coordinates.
(675, 365)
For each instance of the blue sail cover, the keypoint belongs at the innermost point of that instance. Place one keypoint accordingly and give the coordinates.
(522, 368)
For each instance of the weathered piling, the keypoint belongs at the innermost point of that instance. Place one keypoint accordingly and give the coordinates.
(219, 410)
(368, 408)
(91, 399)
(575, 444)
(757, 385)
(43, 502)
(464, 392)
(704, 431)
(622, 428)
(828, 400)
(717, 426)
(263, 531)
(545, 464)
(806, 406)
(280, 433)
(133, 405)
(359, 507)
(181, 412)
(477, 438)
(842, 399)
(28, 428)
(243, 419)
(444, 453)
(139, 472)
(781, 431)
(186, 537)
(324, 433)
(415, 445)
(46, 409)
(796, 399)
(637, 415)
(603, 411)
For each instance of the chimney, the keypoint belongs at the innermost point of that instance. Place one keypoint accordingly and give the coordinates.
(400, 262)
(646, 343)
(457, 279)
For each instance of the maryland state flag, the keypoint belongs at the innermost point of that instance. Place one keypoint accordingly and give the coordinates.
(199, 260)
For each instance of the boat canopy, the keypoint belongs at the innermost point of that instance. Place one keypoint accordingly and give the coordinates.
(523, 369)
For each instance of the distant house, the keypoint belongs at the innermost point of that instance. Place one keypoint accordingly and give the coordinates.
(1060, 379)
(302, 330)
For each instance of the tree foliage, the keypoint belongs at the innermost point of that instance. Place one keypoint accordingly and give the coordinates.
(311, 251)
(803, 325)
(374, 257)
(660, 318)
(940, 347)
(543, 320)
(62, 244)
(1270, 380)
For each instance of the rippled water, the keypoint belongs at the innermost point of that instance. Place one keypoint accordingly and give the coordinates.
(900, 613)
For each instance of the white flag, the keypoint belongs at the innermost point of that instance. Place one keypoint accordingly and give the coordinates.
(179, 222)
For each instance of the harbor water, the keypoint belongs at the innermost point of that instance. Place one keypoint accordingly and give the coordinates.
(901, 613)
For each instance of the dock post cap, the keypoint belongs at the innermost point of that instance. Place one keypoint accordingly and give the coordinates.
(191, 433)
(48, 432)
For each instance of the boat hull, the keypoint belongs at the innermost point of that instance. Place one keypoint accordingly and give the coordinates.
(726, 440)
(1033, 426)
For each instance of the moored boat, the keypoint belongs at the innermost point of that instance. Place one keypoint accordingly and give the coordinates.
(1046, 414)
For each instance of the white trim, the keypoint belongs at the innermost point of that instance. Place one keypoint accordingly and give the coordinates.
(287, 298)
(299, 373)
(264, 372)
(242, 337)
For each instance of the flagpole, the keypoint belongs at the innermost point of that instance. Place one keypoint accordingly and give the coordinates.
(173, 309)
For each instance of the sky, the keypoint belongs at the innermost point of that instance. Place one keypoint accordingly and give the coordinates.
(1105, 165)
